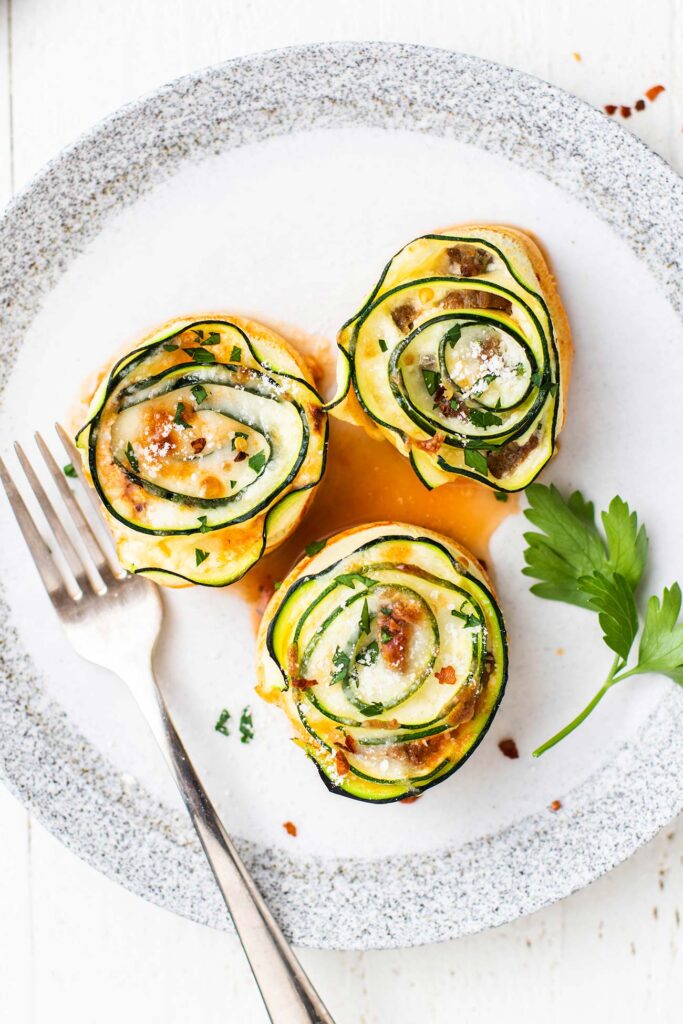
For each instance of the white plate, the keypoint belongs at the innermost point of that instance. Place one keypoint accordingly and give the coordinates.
(278, 186)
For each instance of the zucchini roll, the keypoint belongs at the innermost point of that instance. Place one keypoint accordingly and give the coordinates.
(460, 357)
(205, 444)
(387, 652)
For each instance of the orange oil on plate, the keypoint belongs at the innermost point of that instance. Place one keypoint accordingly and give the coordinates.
(367, 481)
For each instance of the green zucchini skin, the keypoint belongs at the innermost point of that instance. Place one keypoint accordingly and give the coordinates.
(204, 444)
(387, 651)
(461, 369)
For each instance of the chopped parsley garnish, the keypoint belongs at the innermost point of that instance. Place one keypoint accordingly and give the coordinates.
(198, 334)
(368, 655)
(277, 584)
(365, 619)
(552, 388)
(203, 528)
(178, 419)
(238, 433)
(170, 346)
(130, 455)
(481, 385)
(314, 547)
(536, 377)
(222, 723)
(236, 354)
(484, 418)
(385, 635)
(201, 355)
(257, 461)
(519, 369)
(475, 460)
(470, 620)
(500, 496)
(349, 579)
(198, 393)
(246, 726)
(341, 663)
(233, 484)
(382, 345)
(69, 470)
(431, 379)
(200, 556)
(213, 339)
(452, 335)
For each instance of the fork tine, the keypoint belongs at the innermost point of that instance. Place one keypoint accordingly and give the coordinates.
(45, 564)
(73, 559)
(74, 457)
(84, 528)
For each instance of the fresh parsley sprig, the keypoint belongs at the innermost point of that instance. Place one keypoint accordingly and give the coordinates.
(573, 562)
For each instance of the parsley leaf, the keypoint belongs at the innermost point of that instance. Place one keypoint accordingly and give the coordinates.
(314, 547)
(200, 556)
(476, 460)
(342, 664)
(258, 461)
(500, 496)
(222, 723)
(431, 379)
(132, 458)
(246, 726)
(661, 645)
(568, 546)
(199, 393)
(484, 418)
(452, 335)
(369, 654)
(236, 354)
(201, 355)
(168, 346)
(365, 619)
(574, 563)
(212, 339)
(179, 418)
(203, 526)
(349, 579)
(626, 542)
(69, 470)
(382, 345)
(612, 598)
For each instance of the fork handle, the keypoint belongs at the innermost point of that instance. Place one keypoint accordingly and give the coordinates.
(289, 996)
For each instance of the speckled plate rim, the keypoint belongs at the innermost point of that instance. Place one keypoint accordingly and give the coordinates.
(124, 832)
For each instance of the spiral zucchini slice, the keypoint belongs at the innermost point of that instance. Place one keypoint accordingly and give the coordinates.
(387, 652)
(205, 444)
(460, 357)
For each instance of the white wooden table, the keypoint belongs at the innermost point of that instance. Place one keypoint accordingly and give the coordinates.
(73, 946)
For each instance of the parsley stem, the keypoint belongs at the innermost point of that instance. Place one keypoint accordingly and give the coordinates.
(575, 722)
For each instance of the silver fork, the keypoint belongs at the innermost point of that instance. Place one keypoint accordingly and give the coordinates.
(113, 619)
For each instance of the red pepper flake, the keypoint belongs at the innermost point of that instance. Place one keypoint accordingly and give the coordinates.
(556, 805)
(341, 763)
(240, 457)
(639, 105)
(610, 109)
(625, 111)
(654, 92)
(350, 744)
(304, 684)
(199, 444)
(409, 799)
(508, 747)
(446, 676)
(289, 827)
